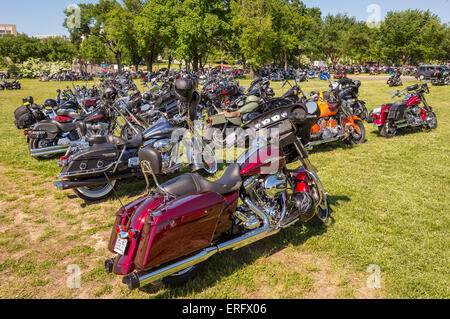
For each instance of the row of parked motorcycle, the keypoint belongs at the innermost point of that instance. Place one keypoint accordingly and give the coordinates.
(9, 85)
(66, 76)
(168, 233)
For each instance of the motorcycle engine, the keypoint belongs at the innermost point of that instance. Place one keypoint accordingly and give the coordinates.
(328, 127)
(99, 129)
(412, 116)
(265, 192)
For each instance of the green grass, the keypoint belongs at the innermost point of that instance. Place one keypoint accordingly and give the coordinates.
(390, 208)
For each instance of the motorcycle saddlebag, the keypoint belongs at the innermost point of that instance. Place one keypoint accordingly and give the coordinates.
(397, 111)
(23, 117)
(182, 227)
(96, 158)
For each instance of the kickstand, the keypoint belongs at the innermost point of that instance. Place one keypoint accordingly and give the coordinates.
(114, 191)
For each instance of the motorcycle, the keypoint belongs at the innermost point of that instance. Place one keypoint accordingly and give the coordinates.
(69, 129)
(14, 85)
(390, 118)
(167, 234)
(93, 172)
(336, 122)
(395, 80)
(324, 76)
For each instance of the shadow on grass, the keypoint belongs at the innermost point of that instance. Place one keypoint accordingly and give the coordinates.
(225, 264)
(136, 186)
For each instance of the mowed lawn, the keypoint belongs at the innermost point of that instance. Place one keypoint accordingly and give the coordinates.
(390, 202)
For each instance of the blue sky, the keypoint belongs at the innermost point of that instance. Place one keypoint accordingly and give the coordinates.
(35, 17)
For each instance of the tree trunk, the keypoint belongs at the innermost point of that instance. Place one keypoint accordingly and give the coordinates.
(119, 62)
(169, 61)
(149, 62)
(252, 72)
(285, 60)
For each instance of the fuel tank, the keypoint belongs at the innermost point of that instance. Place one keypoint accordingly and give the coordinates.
(160, 129)
(265, 161)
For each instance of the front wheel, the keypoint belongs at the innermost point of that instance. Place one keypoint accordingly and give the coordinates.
(357, 137)
(431, 121)
(97, 192)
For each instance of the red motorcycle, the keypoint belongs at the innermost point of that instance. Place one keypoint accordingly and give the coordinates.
(406, 113)
(168, 233)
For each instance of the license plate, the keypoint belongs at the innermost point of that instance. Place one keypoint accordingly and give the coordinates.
(121, 245)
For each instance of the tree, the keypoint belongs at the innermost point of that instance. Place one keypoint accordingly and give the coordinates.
(156, 30)
(411, 36)
(57, 49)
(20, 48)
(333, 35)
(253, 20)
(107, 20)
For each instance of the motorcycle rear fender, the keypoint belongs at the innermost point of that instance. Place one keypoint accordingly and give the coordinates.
(49, 127)
(383, 115)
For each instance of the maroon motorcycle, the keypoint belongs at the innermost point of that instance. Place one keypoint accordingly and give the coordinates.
(412, 111)
(167, 234)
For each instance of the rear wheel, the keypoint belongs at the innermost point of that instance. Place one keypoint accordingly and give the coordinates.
(387, 131)
(41, 143)
(322, 217)
(97, 192)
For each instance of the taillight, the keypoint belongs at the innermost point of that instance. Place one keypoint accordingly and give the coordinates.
(132, 233)
(63, 161)
(25, 133)
(117, 229)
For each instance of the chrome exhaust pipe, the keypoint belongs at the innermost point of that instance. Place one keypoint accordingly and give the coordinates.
(327, 140)
(49, 150)
(142, 278)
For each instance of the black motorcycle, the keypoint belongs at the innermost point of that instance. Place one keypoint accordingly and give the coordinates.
(395, 79)
(94, 172)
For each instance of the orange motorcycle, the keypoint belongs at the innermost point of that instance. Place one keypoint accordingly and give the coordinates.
(336, 122)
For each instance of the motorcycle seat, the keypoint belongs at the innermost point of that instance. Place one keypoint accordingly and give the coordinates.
(185, 184)
(70, 113)
(116, 141)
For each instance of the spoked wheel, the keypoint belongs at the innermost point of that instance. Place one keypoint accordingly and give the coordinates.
(431, 121)
(41, 143)
(357, 137)
(387, 130)
(97, 192)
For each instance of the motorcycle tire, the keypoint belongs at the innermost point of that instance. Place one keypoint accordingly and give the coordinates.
(37, 143)
(385, 132)
(362, 138)
(322, 217)
(432, 125)
(96, 193)
(182, 277)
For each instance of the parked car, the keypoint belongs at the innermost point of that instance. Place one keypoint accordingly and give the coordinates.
(425, 72)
